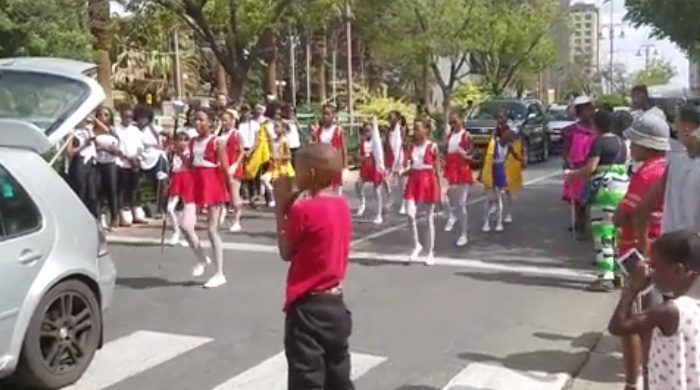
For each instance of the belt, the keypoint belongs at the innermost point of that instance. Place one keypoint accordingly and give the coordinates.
(337, 291)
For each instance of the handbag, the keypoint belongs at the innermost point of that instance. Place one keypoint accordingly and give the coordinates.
(593, 185)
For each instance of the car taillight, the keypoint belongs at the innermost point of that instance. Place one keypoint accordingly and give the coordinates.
(102, 249)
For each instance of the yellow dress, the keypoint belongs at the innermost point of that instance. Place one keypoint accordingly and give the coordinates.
(514, 168)
(281, 159)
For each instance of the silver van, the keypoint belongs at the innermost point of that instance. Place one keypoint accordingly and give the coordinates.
(56, 275)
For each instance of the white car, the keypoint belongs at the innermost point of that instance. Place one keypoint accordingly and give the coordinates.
(56, 275)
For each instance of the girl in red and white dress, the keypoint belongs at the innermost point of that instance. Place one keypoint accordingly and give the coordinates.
(371, 167)
(209, 167)
(232, 138)
(180, 187)
(458, 173)
(330, 133)
(395, 159)
(422, 186)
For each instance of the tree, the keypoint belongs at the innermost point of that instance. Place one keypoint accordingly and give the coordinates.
(98, 14)
(621, 79)
(657, 72)
(668, 19)
(231, 29)
(56, 28)
(515, 37)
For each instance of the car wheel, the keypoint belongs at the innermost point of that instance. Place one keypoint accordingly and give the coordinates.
(62, 337)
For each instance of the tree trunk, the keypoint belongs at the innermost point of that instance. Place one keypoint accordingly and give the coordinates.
(220, 77)
(374, 71)
(320, 50)
(425, 93)
(270, 56)
(98, 14)
(237, 85)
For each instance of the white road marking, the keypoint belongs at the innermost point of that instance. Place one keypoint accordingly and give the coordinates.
(271, 374)
(474, 201)
(134, 354)
(494, 377)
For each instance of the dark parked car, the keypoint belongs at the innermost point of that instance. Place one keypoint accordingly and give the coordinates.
(528, 118)
(559, 118)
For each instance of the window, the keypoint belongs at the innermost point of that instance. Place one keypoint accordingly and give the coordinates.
(18, 213)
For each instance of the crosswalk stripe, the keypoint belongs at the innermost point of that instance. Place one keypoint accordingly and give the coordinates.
(271, 374)
(134, 354)
(495, 377)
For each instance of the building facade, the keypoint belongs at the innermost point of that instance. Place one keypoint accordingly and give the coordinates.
(584, 40)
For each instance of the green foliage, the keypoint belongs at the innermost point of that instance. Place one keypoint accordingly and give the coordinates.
(612, 100)
(672, 19)
(658, 72)
(379, 104)
(468, 92)
(55, 28)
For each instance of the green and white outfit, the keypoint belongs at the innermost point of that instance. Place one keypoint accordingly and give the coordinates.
(608, 186)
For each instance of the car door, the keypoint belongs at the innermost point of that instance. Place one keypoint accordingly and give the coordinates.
(536, 127)
(23, 249)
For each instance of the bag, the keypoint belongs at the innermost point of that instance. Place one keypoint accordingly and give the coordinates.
(593, 185)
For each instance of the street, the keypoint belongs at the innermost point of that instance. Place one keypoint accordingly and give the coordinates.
(507, 312)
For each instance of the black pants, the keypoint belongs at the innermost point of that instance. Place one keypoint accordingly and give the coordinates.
(82, 177)
(128, 180)
(294, 156)
(108, 184)
(316, 332)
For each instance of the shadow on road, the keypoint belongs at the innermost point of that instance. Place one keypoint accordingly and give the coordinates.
(525, 280)
(148, 282)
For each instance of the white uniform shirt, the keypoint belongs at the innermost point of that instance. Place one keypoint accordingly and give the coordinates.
(294, 139)
(130, 144)
(249, 132)
(152, 149)
(104, 143)
(88, 152)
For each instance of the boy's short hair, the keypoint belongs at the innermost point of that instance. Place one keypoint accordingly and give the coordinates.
(641, 89)
(680, 246)
(603, 121)
(689, 114)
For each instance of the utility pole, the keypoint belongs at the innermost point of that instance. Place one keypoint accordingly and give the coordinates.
(293, 66)
(308, 68)
(178, 65)
(348, 44)
(611, 31)
(647, 53)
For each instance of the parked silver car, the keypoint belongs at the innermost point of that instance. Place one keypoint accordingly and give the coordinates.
(56, 275)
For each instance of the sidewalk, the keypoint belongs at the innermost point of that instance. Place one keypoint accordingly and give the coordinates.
(603, 370)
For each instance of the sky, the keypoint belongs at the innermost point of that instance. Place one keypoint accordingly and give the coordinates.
(628, 47)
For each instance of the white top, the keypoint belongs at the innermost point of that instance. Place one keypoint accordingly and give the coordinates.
(502, 151)
(418, 156)
(177, 164)
(130, 144)
(276, 147)
(367, 148)
(294, 139)
(152, 148)
(249, 131)
(198, 149)
(681, 200)
(453, 143)
(653, 111)
(103, 143)
(326, 135)
(396, 143)
(190, 131)
(674, 361)
(269, 124)
(88, 152)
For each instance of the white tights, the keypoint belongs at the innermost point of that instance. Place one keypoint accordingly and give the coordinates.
(494, 205)
(360, 189)
(172, 214)
(411, 212)
(457, 196)
(189, 222)
(395, 187)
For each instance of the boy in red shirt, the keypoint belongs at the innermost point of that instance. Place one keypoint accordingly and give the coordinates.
(314, 236)
(649, 138)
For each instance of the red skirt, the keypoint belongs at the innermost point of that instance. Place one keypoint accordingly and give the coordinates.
(369, 172)
(422, 186)
(389, 159)
(181, 185)
(458, 170)
(239, 174)
(208, 186)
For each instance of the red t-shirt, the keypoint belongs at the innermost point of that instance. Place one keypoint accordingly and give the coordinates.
(646, 176)
(319, 229)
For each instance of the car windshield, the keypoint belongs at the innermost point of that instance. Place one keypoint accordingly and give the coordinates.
(42, 99)
(487, 109)
(559, 115)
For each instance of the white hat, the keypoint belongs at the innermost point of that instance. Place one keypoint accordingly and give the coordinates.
(581, 100)
(649, 131)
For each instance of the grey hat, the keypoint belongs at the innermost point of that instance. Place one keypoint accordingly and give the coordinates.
(649, 131)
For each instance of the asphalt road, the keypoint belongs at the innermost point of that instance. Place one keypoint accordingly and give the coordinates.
(507, 312)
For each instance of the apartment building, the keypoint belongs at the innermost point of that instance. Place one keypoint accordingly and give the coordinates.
(585, 29)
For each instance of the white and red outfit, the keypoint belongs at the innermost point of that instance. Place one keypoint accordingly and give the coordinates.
(458, 169)
(208, 185)
(395, 156)
(333, 136)
(233, 151)
(369, 173)
(422, 185)
(180, 180)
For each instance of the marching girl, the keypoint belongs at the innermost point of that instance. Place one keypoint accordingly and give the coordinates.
(330, 133)
(371, 167)
(208, 164)
(395, 157)
(233, 140)
(180, 188)
(458, 173)
(280, 154)
(422, 186)
(493, 174)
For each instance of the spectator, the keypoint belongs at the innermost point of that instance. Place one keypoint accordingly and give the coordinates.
(642, 104)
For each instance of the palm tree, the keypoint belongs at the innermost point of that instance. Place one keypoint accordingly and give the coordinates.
(99, 19)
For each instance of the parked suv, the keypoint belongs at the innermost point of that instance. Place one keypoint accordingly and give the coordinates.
(56, 275)
(528, 119)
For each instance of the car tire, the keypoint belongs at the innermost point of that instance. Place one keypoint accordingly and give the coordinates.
(62, 337)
